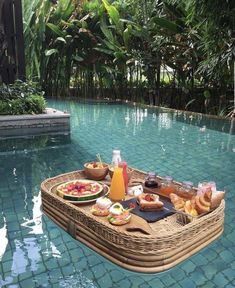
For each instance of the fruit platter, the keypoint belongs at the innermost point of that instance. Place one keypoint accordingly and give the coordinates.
(79, 190)
(124, 237)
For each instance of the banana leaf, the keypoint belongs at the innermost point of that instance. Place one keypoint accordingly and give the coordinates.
(55, 29)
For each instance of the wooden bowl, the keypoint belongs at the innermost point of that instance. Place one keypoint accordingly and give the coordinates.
(96, 173)
(129, 172)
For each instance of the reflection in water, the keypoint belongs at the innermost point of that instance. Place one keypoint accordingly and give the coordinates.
(54, 251)
(3, 238)
(164, 121)
(35, 224)
(33, 252)
(19, 261)
(76, 280)
(50, 249)
(26, 252)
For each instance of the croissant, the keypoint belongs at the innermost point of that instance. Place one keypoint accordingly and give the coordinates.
(196, 206)
(190, 209)
(177, 201)
(203, 202)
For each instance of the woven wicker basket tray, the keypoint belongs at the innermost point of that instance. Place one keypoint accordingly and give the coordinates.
(165, 243)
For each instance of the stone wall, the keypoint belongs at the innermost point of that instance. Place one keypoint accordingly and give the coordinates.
(53, 121)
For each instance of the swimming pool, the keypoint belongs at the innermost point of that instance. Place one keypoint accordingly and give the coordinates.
(34, 252)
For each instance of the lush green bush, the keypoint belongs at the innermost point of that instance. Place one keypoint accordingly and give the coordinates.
(21, 98)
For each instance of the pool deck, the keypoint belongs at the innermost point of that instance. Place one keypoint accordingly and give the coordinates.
(53, 121)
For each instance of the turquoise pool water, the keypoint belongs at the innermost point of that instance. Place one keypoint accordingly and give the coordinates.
(34, 252)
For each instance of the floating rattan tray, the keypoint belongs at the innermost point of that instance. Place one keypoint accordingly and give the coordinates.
(166, 242)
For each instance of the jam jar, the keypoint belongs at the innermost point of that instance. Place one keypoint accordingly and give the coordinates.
(150, 180)
(167, 186)
(186, 190)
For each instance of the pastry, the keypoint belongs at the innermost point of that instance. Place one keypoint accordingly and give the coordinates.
(149, 202)
(203, 202)
(190, 209)
(177, 201)
(216, 199)
(101, 208)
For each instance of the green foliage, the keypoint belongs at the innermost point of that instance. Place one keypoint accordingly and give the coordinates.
(21, 98)
(127, 44)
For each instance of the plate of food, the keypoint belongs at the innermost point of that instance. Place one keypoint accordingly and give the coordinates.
(80, 191)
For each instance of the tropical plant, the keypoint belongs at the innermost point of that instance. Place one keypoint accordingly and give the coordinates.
(21, 98)
(89, 47)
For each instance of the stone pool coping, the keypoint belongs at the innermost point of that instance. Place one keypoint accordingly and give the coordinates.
(52, 121)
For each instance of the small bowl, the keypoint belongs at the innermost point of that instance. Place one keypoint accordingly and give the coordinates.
(129, 172)
(96, 173)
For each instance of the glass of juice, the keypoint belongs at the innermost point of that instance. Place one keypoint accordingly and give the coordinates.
(117, 188)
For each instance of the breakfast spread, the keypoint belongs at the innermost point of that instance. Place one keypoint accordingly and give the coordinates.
(146, 238)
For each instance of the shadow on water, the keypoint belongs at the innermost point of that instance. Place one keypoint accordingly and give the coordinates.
(33, 143)
(218, 124)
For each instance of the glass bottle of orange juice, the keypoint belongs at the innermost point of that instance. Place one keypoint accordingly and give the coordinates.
(117, 188)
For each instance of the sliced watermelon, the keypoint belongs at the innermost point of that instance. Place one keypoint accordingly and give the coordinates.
(80, 190)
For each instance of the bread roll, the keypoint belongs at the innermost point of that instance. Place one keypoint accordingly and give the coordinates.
(199, 206)
(216, 199)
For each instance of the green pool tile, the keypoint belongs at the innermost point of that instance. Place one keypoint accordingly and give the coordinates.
(198, 277)
(75, 255)
(168, 280)
(187, 282)
(6, 265)
(41, 280)
(210, 271)
(55, 285)
(229, 273)
(71, 245)
(230, 285)
(27, 283)
(208, 284)
(105, 281)
(188, 266)
(13, 227)
(227, 256)
(220, 280)
(93, 260)
(67, 270)
(25, 275)
(211, 255)
(178, 273)
(144, 285)
(200, 259)
(116, 275)
(175, 285)
(51, 264)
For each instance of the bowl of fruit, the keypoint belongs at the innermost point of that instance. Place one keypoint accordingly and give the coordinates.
(96, 170)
